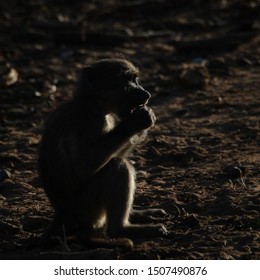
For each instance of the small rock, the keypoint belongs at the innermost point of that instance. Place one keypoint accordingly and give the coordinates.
(8, 75)
(33, 141)
(235, 171)
(193, 75)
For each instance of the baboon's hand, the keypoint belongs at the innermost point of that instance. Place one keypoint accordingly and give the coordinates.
(142, 118)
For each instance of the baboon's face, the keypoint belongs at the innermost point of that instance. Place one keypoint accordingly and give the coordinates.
(128, 97)
(115, 82)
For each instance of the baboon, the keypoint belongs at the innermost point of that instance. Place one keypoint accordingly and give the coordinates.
(83, 156)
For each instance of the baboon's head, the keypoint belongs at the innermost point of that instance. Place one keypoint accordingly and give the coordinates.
(113, 85)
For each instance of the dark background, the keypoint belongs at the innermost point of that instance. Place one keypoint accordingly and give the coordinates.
(199, 59)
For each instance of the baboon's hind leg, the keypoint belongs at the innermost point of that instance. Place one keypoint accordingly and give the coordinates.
(120, 206)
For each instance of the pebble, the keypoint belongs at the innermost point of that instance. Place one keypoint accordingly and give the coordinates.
(195, 76)
(8, 75)
(235, 171)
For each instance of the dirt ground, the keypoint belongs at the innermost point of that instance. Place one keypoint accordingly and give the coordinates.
(201, 62)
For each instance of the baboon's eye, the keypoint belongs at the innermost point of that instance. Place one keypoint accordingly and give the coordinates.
(130, 85)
